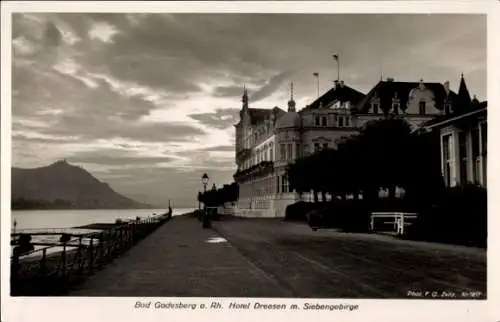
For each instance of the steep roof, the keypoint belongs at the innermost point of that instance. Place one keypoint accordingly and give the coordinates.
(289, 119)
(385, 91)
(477, 108)
(258, 115)
(343, 93)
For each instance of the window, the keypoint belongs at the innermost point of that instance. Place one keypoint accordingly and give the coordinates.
(375, 107)
(277, 184)
(341, 121)
(284, 184)
(289, 151)
(446, 151)
(484, 139)
(297, 150)
(421, 107)
(395, 106)
(475, 155)
(325, 145)
(282, 152)
(484, 145)
(316, 147)
(462, 151)
(447, 108)
(317, 120)
(347, 121)
(306, 151)
(271, 153)
(323, 121)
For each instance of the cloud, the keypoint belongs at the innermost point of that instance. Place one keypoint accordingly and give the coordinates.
(228, 91)
(102, 31)
(221, 118)
(274, 83)
(148, 100)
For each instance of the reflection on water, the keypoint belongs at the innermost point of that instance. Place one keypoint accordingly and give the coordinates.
(39, 220)
(36, 219)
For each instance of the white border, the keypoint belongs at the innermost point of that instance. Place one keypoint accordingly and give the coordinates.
(110, 309)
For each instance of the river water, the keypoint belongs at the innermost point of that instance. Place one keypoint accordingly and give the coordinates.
(40, 219)
(67, 219)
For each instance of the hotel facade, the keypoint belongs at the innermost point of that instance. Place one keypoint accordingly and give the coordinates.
(267, 140)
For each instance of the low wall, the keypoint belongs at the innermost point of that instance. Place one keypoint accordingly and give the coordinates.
(265, 207)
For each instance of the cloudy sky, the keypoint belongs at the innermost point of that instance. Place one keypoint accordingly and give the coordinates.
(146, 102)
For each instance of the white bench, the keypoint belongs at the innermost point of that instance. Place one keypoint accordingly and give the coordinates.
(398, 219)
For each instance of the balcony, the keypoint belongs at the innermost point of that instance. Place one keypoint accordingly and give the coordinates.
(261, 168)
(242, 154)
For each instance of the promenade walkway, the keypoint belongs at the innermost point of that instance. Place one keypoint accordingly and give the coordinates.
(181, 259)
(271, 258)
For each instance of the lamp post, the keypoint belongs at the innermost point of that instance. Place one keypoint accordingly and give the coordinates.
(204, 180)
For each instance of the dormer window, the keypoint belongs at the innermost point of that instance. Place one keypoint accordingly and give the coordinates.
(317, 120)
(341, 121)
(421, 107)
(395, 106)
(375, 107)
(324, 121)
(447, 108)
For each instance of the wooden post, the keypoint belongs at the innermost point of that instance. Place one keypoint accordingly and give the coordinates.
(91, 252)
(43, 262)
(80, 256)
(64, 259)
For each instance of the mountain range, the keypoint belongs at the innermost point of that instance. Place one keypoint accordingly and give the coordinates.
(65, 186)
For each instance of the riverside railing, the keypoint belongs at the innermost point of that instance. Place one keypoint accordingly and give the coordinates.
(55, 270)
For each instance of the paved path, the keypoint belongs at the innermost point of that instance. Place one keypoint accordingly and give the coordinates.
(177, 260)
(271, 258)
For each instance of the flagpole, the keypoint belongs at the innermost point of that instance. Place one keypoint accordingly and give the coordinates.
(338, 68)
(336, 57)
(317, 82)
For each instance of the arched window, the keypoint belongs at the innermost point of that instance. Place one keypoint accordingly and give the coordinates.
(421, 107)
(395, 106)
(447, 108)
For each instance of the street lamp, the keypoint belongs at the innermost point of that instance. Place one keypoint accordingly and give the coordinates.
(204, 180)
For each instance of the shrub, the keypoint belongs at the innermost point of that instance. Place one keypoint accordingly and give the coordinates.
(299, 210)
(351, 215)
(459, 217)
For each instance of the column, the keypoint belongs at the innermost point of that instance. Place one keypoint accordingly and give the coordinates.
(482, 179)
(470, 160)
(455, 158)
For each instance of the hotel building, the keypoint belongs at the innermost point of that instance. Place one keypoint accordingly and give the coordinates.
(267, 140)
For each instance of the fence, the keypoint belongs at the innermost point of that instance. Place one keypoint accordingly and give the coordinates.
(54, 270)
(399, 221)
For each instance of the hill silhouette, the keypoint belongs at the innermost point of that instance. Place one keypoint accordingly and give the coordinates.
(64, 186)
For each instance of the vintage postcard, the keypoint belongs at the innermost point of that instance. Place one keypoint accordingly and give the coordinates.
(245, 160)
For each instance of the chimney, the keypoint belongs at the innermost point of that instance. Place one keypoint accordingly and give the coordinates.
(447, 87)
(341, 83)
(335, 83)
(389, 79)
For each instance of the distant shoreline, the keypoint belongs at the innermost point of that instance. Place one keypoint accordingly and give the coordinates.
(164, 209)
(42, 209)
